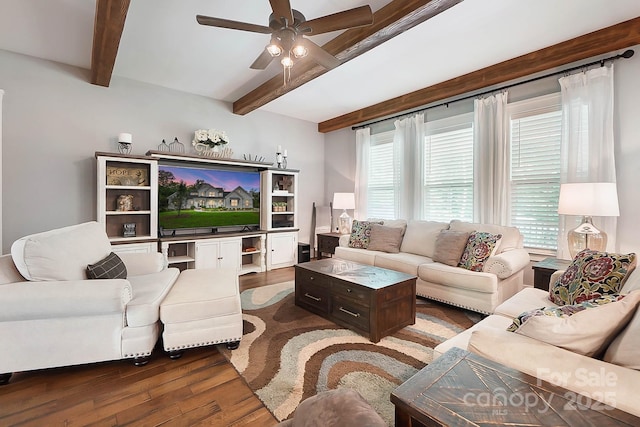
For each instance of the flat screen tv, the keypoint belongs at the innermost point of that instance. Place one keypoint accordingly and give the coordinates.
(200, 200)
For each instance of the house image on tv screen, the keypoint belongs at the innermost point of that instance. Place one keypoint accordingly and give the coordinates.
(205, 195)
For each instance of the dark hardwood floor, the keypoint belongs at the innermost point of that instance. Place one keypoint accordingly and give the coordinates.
(200, 388)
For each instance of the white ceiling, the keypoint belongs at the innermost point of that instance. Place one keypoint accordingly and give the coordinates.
(163, 45)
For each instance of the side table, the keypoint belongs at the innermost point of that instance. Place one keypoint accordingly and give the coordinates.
(327, 243)
(463, 389)
(543, 270)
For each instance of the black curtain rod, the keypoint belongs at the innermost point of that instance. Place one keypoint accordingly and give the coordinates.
(626, 54)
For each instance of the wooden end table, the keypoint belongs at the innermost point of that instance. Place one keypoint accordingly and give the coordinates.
(327, 243)
(463, 389)
(543, 270)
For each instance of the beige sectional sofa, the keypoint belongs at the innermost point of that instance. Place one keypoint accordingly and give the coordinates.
(593, 378)
(480, 291)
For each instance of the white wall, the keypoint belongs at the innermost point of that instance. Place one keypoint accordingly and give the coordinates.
(54, 121)
(340, 171)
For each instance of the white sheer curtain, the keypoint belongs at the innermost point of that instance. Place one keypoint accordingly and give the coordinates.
(363, 142)
(407, 149)
(587, 151)
(491, 160)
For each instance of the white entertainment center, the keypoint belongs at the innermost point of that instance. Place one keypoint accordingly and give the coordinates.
(127, 205)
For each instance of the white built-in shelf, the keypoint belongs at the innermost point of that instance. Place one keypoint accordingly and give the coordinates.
(179, 259)
(128, 212)
(129, 239)
(127, 187)
(202, 159)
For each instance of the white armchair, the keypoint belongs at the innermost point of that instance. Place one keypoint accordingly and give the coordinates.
(51, 315)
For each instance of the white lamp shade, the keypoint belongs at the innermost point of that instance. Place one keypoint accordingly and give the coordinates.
(344, 201)
(589, 199)
(125, 138)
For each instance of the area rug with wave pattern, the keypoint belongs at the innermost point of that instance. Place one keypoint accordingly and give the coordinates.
(288, 354)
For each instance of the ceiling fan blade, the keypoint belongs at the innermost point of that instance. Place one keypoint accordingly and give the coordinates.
(282, 9)
(356, 17)
(262, 61)
(320, 55)
(234, 25)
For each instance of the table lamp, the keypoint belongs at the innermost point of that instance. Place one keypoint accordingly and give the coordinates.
(344, 201)
(588, 199)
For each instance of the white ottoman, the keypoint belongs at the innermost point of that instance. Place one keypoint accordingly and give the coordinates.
(202, 308)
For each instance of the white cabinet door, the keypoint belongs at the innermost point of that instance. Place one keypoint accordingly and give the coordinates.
(281, 250)
(207, 254)
(230, 253)
(219, 253)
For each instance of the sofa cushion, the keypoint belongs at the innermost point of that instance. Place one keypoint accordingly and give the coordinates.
(462, 339)
(385, 239)
(458, 277)
(586, 328)
(525, 300)
(632, 283)
(8, 271)
(562, 310)
(200, 295)
(420, 237)
(111, 267)
(624, 350)
(356, 255)
(360, 234)
(511, 236)
(396, 223)
(148, 292)
(590, 275)
(479, 248)
(449, 247)
(61, 254)
(403, 262)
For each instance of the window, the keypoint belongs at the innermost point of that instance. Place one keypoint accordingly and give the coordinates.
(447, 176)
(535, 133)
(381, 197)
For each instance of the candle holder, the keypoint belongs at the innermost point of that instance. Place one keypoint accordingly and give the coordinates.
(124, 147)
(281, 158)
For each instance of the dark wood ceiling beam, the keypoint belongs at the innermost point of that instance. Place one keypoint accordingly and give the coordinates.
(107, 31)
(599, 42)
(388, 22)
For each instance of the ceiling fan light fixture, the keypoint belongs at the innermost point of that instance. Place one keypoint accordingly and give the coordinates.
(274, 49)
(299, 51)
(287, 62)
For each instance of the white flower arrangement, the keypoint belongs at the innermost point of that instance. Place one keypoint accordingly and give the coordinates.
(210, 137)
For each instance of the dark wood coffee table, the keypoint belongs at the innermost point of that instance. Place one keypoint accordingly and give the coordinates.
(464, 389)
(372, 301)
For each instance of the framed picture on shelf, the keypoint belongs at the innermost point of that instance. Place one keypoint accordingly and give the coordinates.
(129, 229)
(129, 176)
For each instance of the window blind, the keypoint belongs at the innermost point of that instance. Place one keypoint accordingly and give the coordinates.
(535, 176)
(381, 198)
(448, 173)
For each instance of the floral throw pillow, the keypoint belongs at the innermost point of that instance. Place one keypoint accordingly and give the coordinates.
(361, 234)
(479, 247)
(591, 275)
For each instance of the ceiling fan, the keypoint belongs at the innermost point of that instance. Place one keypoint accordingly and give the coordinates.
(288, 28)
